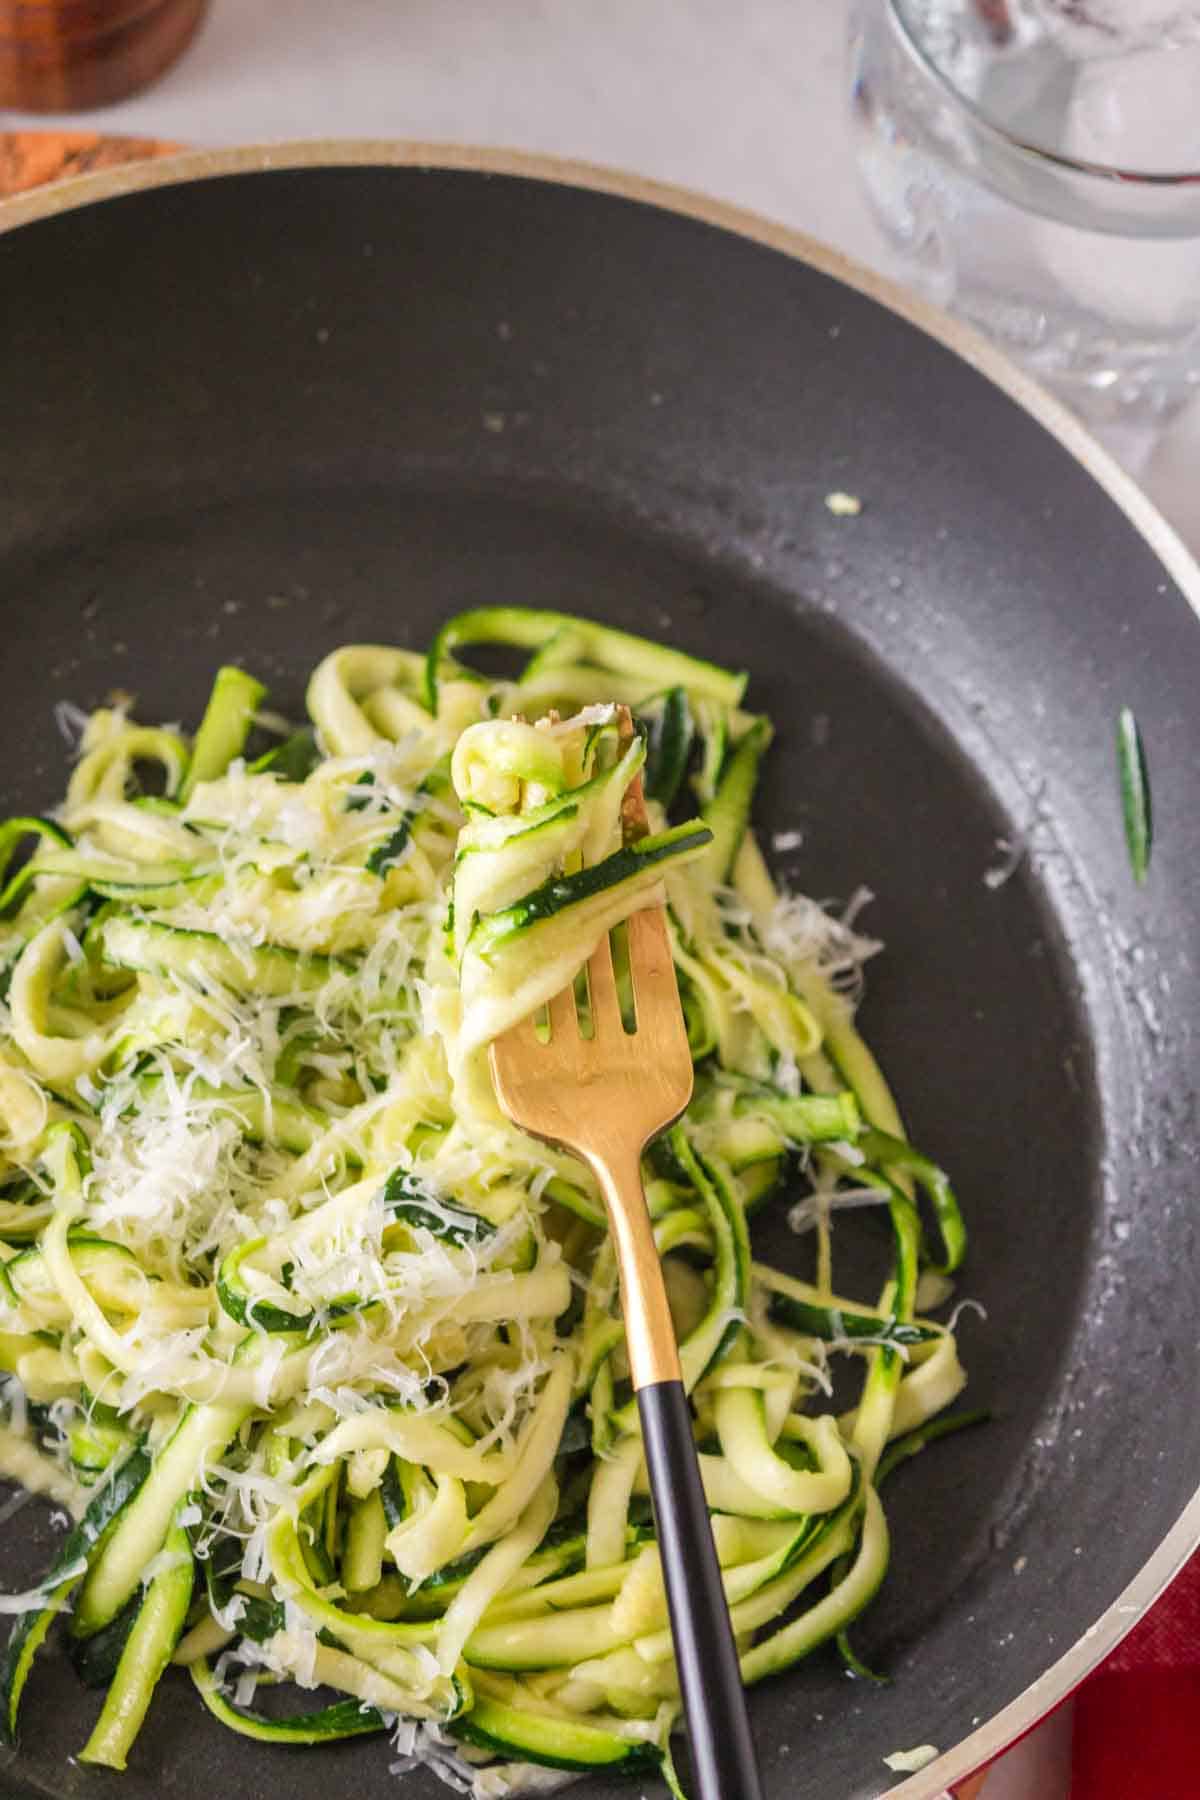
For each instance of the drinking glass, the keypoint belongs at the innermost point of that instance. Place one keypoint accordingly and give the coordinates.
(1035, 167)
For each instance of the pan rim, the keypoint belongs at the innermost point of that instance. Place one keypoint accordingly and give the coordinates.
(1035, 1702)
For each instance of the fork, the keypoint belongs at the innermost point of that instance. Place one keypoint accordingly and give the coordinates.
(605, 1097)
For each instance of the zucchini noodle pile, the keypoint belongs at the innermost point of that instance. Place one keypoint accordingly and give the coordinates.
(323, 1356)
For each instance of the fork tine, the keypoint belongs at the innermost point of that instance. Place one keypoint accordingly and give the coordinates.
(602, 988)
(655, 990)
(524, 1034)
(564, 1019)
(650, 958)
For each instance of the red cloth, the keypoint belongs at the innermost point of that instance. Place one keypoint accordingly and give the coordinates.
(1137, 1720)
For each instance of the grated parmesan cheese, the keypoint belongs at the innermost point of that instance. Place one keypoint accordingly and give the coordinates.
(289, 1015)
(908, 1762)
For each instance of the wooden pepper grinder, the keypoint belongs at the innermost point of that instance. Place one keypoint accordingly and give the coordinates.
(68, 55)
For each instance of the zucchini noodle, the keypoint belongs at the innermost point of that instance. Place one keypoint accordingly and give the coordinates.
(322, 1353)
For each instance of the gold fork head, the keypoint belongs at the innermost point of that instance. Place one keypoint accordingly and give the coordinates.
(605, 1097)
(616, 1089)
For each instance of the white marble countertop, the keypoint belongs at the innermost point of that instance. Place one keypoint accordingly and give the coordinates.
(746, 104)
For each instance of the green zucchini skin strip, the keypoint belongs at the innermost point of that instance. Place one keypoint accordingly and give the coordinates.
(407, 1203)
(668, 743)
(833, 1324)
(522, 628)
(703, 1348)
(790, 1643)
(393, 847)
(894, 1154)
(15, 832)
(813, 1118)
(552, 1743)
(386, 854)
(234, 700)
(29, 1630)
(293, 760)
(727, 814)
(563, 891)
(121, 878)
(855, 1666)
(1136, 810)
(805, 1118)
(271, 969)
(147, 1652)
(350, 1628)
(256, 1315)
(341, 1719)
(141, 1529)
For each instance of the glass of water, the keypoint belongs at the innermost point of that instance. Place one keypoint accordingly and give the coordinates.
(1035, 166)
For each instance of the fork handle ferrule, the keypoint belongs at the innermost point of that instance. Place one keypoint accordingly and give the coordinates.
(649, 1330)
(719, 1738)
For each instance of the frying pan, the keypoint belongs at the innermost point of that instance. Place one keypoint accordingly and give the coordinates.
(256, 404)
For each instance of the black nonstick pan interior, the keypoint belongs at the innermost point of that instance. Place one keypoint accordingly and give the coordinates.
(254, 416)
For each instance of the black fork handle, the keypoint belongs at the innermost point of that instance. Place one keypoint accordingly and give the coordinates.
(714, 1701)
